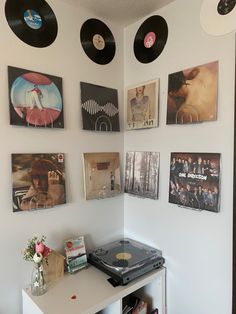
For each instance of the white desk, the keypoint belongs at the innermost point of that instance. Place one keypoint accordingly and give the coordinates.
(94, 294)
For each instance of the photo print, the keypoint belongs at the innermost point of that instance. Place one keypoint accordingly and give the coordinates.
(142, 106)
(101, 175)
(192, 95)
(195, 180)
(35, 99)
(38, 181)
(142, 174)
(99, 107)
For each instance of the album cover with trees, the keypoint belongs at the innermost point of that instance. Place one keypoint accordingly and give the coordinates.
(142, 174)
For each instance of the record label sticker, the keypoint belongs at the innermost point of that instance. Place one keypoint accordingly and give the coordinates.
(33, 19)
(225, 6)
(149, 39)
(123, 256)
(98, 42)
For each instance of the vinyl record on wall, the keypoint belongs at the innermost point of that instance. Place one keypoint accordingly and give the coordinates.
(218, 17)
(33, 21)
(97, 41)
(150, 39)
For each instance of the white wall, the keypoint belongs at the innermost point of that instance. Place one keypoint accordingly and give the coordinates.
(197, 246)
(99, 221)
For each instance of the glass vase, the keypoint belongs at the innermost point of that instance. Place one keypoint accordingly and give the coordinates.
(38, 286)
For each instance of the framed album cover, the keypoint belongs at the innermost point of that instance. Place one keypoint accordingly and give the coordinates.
(192, 94)
(38, 181)
(195, 180)
(35, 99)
(142, 105)
(99, 107)
(142, 174)
(101, 175)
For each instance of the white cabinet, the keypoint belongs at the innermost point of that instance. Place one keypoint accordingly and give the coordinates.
(94, 294)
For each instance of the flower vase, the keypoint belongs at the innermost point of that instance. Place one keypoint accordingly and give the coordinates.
(38, 286)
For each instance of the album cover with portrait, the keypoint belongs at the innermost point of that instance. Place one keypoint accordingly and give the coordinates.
(195, 180)
(142, 105)
(38, 181)
(142, 174)
(35, 99)
(101, 175)
(99, 107)
(193, 94)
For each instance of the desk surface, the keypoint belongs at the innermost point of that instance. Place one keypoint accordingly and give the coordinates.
(92, 290)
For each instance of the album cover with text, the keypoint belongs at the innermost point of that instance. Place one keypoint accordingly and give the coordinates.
(142, 106)
(195, 180)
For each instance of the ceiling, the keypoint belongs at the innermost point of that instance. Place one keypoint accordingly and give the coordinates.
(124, 12)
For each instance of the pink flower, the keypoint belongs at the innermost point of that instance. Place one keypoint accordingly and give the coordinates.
(46, 251)
(39, 247)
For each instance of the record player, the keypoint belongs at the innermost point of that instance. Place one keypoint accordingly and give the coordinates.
(125, 259)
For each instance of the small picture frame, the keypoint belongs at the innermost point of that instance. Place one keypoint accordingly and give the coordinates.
(76, 257)
(142, 105)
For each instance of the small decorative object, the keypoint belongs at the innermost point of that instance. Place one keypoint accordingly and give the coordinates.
(75, 254)
(53, 267)
(37, 252)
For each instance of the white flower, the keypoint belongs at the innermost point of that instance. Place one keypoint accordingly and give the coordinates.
(37, 258)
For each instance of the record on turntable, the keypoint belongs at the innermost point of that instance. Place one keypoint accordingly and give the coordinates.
(150, 39)
(97, 41)
(125, 259)
(218, 17)
(32, 21)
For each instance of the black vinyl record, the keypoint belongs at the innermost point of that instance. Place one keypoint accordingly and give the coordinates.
(33, 21)
(97, 41)
(150, 39)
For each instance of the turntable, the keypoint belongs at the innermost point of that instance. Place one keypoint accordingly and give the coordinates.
(125, 259)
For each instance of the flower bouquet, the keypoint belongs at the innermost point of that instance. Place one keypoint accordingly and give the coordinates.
(37, 252)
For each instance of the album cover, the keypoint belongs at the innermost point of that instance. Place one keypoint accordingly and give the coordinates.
(101, 175)
(192, 94)
(195, 180)
(38, 181)
(35, 99)
(99, 106)
(142, 106)
(142, 174)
